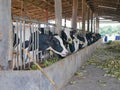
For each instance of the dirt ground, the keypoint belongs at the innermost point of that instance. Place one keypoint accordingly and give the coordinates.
(89, 77)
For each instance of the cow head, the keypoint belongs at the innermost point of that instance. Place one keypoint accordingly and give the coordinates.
(76, 43)
(65, 34)
(82, 40)
(56, 45)
(70, 39)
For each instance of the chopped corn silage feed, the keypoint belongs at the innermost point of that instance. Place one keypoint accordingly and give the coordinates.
(107, 57)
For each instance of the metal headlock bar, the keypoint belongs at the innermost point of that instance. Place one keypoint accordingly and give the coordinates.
(31, 20)
(26, 35)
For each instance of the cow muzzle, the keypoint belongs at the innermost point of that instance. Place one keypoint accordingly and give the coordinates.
(70, 41)
(65, 53)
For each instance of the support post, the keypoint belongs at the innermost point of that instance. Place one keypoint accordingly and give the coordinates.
(97, 23)
(58, 16)
(79, 24)
(65, 22)
(5, 34)
(94, 23)
(91, 21)
(83, 17)
(74, 14)
(88, 17)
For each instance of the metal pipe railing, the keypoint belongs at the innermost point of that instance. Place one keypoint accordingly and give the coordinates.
(27, 35)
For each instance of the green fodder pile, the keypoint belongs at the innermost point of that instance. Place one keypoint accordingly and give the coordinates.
(45, 63)
(107, 57)
(114, 46)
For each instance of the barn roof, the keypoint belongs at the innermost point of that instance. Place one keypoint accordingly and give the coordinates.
(39, 9)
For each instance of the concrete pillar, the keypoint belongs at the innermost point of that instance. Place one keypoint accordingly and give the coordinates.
(94, 23)
(65, 22)
(83, 17)
(74, 14)
(88, 18)
(91, 21)
(58, 15)
(97, 23)
(5, 33)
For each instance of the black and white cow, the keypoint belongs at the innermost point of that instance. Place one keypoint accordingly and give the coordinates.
(49, 42)
(83, 41)
(92, 37)
(44, 41)
(70, 40)
(98, 36)
(89, 37)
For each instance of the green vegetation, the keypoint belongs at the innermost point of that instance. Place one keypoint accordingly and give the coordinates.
(45, 63)
(111, 62)
(109, 42)
(33, 67)
(49, 62)
(114, 46)
(109, 30)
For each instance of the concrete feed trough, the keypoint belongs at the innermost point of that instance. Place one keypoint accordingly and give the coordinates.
(60, 72)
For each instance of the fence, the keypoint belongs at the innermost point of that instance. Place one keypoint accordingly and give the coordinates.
(24, 37)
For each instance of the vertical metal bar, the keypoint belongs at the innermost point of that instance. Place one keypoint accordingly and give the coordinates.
(17, 52)
(38, 43)
(33, 41)
(13, 37)
(35, 38)
(20, 45)
(41, 55)
(30, 43)
(24, 44)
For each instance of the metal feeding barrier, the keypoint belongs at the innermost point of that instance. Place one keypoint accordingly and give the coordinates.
(23, 34)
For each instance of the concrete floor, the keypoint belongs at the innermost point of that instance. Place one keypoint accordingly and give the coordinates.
(92, 79)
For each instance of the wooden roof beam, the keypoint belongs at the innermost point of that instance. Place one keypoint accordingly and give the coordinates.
(99, 1)
(38, 6)
(69, 2)
(47, 2)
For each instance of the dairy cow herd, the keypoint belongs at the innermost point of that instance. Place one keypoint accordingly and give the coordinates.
(69, 41)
